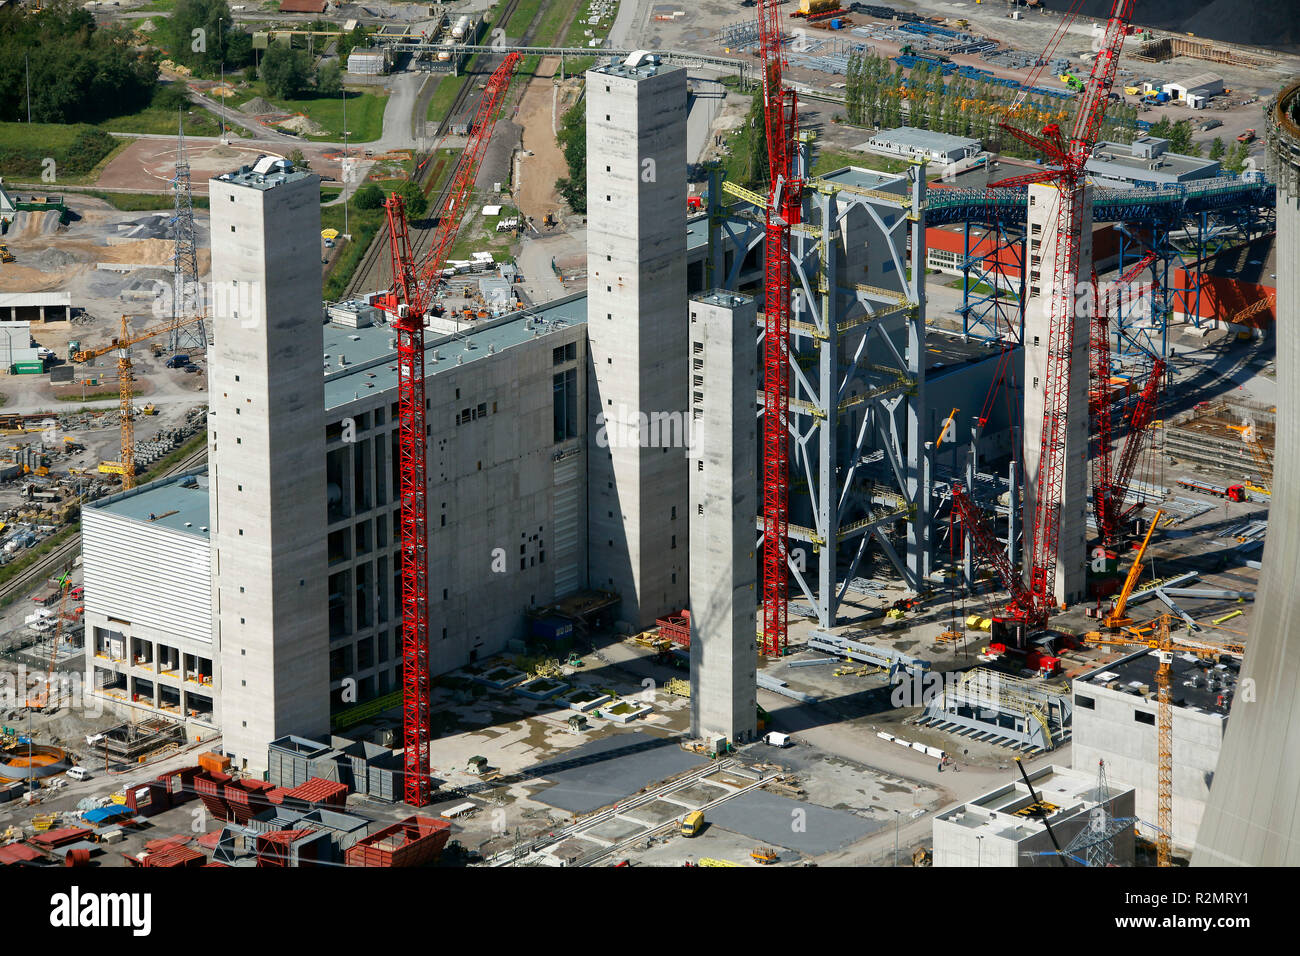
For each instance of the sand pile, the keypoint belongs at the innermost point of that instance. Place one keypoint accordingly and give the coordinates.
(31, 225)
(257, 106)
(304, 126)
(51, 259)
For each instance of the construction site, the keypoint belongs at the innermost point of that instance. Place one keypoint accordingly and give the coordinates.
(906, 503)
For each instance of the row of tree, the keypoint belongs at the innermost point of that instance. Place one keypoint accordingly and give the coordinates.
(69, 69)
(880, 93)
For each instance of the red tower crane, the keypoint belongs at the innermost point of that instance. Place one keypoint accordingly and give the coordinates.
(1110, 480)
(408, 301)
(784, 209)
(1065, 168)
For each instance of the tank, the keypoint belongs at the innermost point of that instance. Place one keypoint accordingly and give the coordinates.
(444, 52)
(461, 28)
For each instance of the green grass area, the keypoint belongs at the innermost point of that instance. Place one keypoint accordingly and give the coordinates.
(522, 18)
(478, 233)
(979, 287)
(363, 224)
(365, 112)
(445, 94)
(78, 150)
(328, 195)
(554, 14)
(827, 160)
(140, 202)
(159, 119)
(577, 35)
(92, 397)
(15, 568)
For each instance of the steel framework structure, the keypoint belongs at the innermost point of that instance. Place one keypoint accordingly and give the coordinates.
(185, 259)
(408, 302)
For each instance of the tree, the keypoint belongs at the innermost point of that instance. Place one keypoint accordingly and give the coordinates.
(299, 160)
(573, 140)
(329, 79)
(203, 36)
(368, 196)
(1217, 149)
(285, 72)
(413, 196)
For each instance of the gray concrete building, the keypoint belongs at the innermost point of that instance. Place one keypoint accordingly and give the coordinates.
(723, 502)
(1146, 161)
(1040, 249)
(636, 267)
(1116, 717)
(913, 143)
(999, 828)
(265, 452)
(1252, 818)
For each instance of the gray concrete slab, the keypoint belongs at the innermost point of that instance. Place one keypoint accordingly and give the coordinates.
(615, 829)
(772, 819)
(606, 770)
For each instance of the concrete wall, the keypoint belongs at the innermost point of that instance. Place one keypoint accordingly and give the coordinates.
(636, 266)
(1110, 731)
(1252, 818)
(1041, 247)
(267, 464)
(723, 503)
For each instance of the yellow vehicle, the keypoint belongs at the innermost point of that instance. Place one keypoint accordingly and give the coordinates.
(5, 254)
(693, 823)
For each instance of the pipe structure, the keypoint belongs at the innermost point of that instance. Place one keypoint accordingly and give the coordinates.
(1251, 817)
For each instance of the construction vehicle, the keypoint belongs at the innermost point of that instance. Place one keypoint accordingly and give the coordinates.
(5, 254)
(122, 344)
(1116, 619)
(692, 823)
(1247, 136)
(1231, 492)
(1165, 647)
(764, 855)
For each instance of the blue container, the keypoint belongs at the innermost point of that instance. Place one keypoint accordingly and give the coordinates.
(552, 629)
(837, 24)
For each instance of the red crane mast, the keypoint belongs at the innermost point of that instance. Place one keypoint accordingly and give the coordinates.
(784, 209)
(1065, 159)
(408, 301)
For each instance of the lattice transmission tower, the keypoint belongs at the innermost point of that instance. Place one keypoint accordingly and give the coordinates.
(186, 292)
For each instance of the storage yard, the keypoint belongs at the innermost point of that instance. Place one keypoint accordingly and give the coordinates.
(984, 592)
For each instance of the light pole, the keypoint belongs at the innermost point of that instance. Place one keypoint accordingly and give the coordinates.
(343, 169)
(898, 816)
(221, 51)
(979, 851)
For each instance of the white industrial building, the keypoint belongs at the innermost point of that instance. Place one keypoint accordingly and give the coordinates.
(371, 61)
(1007, 827)
(912, 143)
(1115, 720)
(1195, 91)
(37, 306)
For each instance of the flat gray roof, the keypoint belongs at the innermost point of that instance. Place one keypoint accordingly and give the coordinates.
(371, 356)
(179, 503)
(863, 178)
(923, 139)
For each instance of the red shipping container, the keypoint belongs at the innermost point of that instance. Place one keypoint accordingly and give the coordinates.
(411, 842)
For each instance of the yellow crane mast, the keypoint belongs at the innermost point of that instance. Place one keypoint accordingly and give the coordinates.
(1116, 619)
(122, 344)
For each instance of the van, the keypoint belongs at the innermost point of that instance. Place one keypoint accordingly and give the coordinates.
(178, 361)
(78, 773)
(692, 823)
(774, 739)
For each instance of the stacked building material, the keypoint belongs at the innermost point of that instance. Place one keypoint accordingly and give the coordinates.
(676, 628)
(211, 787)
(411, 842)
(149, 799)
(247, 798)
(286, 848)
(166, 853)
(180, 784)
(316, 793)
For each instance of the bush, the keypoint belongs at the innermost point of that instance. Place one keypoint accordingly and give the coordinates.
(368, 196)
(413, 195)
(285, 72)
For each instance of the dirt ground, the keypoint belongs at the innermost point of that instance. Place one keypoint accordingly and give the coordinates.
(542, 161)
(151, 163)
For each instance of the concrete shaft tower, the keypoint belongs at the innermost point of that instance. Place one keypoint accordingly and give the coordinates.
(636, 267)
(724, 500)
(1252, 817)
(1071, 553)
(266, 453)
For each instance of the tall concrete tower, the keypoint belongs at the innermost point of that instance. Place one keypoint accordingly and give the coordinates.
(266, 454)
(724, 500)
(636, 268)
(1252, 817)
(1071, 554)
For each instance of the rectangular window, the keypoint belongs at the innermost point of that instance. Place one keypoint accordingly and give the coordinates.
(1142, 717)
(565, 405)
(1087, 703)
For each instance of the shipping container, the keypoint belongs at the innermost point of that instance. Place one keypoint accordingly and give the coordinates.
(412, 842)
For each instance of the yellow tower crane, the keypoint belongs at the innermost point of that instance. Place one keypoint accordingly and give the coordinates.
(1116, 619)
(122, 344)
(1165, 647)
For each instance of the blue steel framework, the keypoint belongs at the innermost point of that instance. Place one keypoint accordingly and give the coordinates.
(1185, 225)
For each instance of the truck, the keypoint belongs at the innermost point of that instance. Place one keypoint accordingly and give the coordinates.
(1247, 136)
(1231, 492)
(693, 823)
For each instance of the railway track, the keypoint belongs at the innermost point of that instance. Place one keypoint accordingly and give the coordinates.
(66, 552)
(371, 272)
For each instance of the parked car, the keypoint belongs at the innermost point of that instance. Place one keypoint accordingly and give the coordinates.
(178, 361)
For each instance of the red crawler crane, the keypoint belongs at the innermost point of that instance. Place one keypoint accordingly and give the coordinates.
(408, 301)
(784, 209)
(1110, 484)
(1065, 159)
